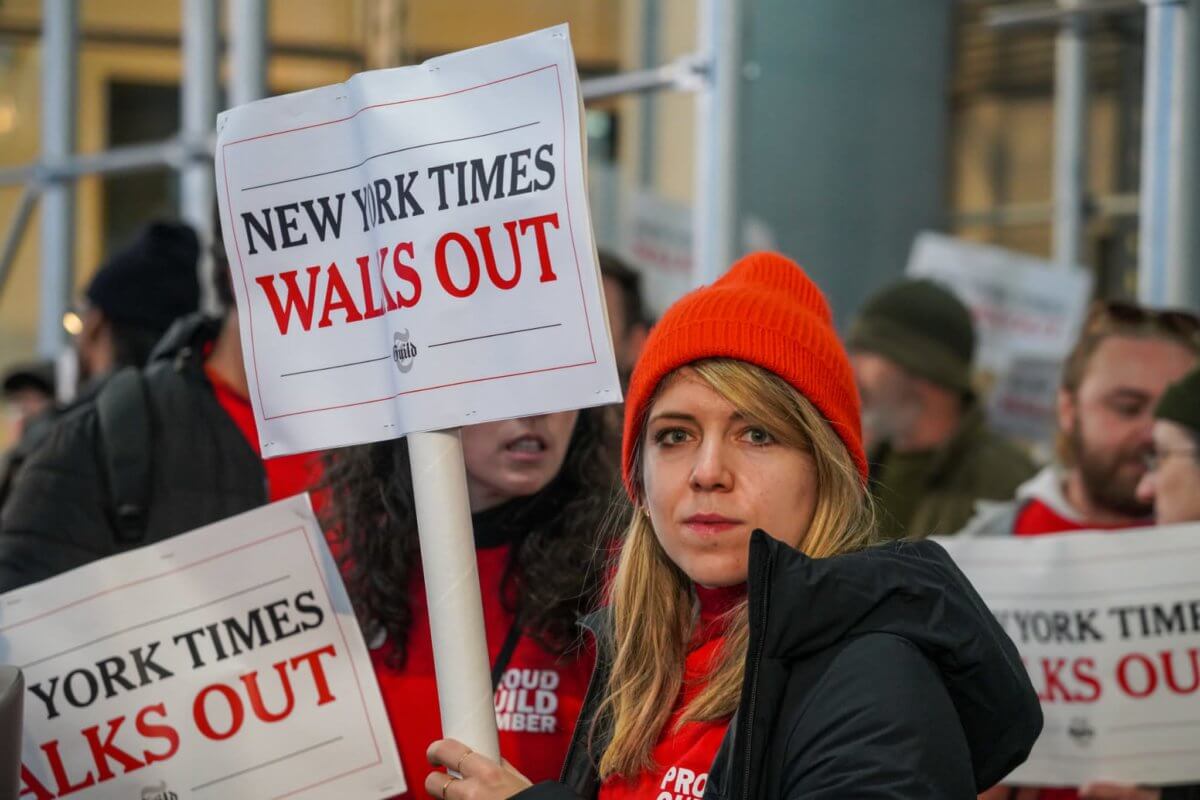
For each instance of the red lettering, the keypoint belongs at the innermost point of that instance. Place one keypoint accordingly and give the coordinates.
(1168, 662)
(539, 225)
(295, 302)
(256, 701)
(1050, 671)
(165, 732)
(61, 779)
(406, 273)
(313, 659)
(489, 257)
(200, 712)
(387, 295)
(102, 752)
(1150, 676)
(344, 302)
(364, 274)
(443, 269)
(1087, 677)
(32, 786)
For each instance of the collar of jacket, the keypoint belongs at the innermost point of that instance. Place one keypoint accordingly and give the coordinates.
(185, 341)
(947, 456)
(908, 589)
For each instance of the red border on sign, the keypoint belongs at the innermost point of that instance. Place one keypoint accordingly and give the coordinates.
(329, 600)
(570, 227)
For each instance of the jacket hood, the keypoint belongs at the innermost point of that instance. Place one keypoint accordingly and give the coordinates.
(187, 336)
(915, 591)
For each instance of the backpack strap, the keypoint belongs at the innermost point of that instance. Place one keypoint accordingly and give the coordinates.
(125, 441)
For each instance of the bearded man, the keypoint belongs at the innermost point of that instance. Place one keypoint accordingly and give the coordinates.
(1124, 360)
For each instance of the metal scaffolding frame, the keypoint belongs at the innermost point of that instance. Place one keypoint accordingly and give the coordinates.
(1167, 247)
(710, 73)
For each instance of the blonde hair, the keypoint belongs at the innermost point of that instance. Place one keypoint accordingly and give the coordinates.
(652, 599)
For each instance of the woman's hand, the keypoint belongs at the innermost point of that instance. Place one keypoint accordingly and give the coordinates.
(1117, 791)
(482, 778)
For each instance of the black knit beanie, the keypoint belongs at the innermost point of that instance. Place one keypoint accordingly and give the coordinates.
(1181, 402)
(151, 282)
(922, 327)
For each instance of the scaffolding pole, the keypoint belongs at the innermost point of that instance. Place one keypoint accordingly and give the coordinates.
(1162, 273)
(199, 114)
(716, 114)
(60, 36)
(1070, 138)
(248, 51)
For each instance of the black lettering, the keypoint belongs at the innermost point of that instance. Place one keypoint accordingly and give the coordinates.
(48, 699)
(311, 608)
(264, 229)
(237, 634)
(89, 680)
(287, 225)
(279, 619)
(143, 664)
(517, 171)
(190, 636)
(545, 165)
(404, 195)
(493, 180)
(112, 670)
(383, 200)
(440, 171)
(327, 219)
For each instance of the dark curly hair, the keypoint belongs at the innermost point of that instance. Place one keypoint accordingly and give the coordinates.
(559, 535)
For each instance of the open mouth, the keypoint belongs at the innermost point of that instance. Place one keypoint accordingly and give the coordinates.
(526, 446)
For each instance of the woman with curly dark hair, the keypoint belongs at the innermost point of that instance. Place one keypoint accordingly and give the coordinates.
(541, 489)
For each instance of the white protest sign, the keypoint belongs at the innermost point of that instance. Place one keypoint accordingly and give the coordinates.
(225, 662)
(411, 250)
(1027, 313)
(1108, 625)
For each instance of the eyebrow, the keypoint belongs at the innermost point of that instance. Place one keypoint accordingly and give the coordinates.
(1128, 393)
(682, 416)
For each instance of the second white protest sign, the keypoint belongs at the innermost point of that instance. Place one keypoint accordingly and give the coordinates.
(411, 250)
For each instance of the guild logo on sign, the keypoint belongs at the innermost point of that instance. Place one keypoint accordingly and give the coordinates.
(160, 792)
(1081, 731)
(403, 351)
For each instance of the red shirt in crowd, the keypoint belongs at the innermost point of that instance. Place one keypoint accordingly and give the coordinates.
(538, 699)
(286, 475)
(1035, 519)
(683, 757)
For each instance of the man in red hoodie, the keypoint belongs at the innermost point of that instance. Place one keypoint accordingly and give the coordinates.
(1124, 360)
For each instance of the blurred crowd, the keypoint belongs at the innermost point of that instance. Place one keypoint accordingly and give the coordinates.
(157, 437)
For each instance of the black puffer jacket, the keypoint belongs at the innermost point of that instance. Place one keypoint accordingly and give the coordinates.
(162, 459)
(879, 674)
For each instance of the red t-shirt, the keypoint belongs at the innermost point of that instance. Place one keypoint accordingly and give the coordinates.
(286, 475)
(682, 758)
(537, 703)
(1036, 519)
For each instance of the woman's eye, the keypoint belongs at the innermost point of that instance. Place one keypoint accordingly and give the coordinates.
(758, 436)
(671, 436)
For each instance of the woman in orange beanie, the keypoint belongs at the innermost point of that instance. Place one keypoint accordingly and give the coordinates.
(758, 643)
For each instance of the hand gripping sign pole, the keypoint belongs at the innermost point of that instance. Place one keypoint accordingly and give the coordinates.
(460, 656)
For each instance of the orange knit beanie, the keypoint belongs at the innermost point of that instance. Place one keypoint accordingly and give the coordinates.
(764, 311)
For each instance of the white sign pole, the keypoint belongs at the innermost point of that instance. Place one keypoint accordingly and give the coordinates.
(460, 656)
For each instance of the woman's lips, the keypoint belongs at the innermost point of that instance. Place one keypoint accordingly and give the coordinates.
(709, 524)
(526, 449)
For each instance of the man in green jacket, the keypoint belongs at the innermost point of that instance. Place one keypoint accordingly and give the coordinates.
(932, 455)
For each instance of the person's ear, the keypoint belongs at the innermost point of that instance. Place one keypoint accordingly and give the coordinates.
(1067, 410)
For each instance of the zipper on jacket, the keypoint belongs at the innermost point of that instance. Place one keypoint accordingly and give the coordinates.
(755, 662)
